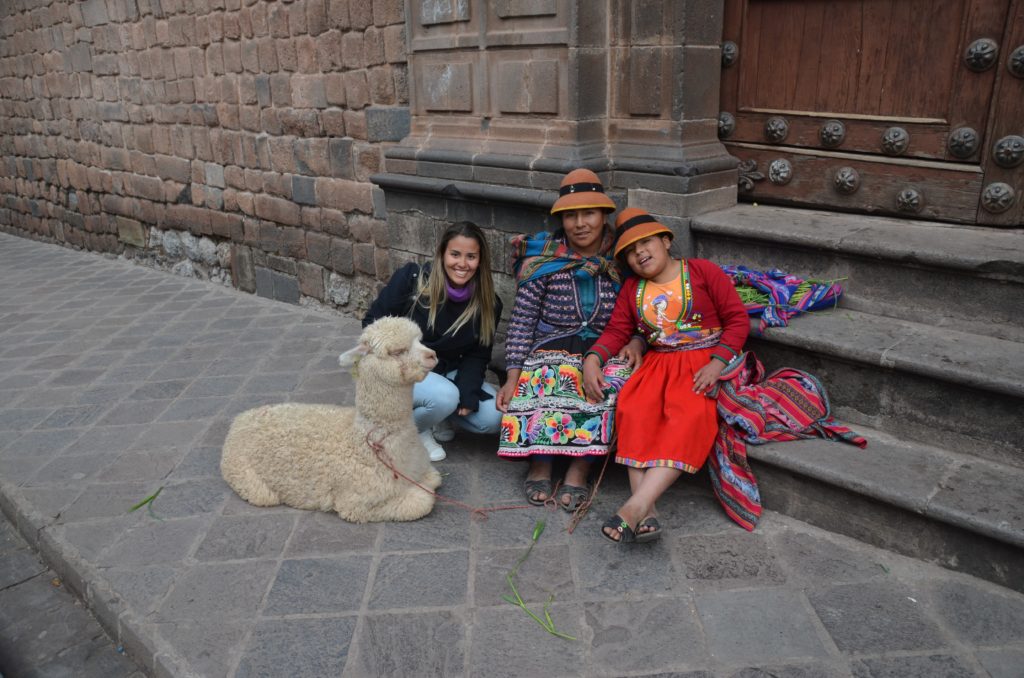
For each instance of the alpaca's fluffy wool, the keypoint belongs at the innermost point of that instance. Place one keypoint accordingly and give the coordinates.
(318, 456)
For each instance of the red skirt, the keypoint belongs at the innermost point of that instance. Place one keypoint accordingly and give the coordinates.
(659, 419)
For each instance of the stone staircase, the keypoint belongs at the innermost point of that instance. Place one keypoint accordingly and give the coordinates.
(924, 356)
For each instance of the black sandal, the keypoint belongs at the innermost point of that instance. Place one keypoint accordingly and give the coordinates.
(577, 496)
(653, 534)
(534, 487)
(617, 523)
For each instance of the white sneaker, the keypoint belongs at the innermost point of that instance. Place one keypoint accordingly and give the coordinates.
(435, 451)
(444, 432)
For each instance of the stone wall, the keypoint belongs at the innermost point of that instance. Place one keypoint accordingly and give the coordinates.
(224, 139)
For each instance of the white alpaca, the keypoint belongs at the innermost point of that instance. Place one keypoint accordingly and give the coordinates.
(320, 457)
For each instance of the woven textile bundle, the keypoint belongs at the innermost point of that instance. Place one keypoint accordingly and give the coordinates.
(777, 296)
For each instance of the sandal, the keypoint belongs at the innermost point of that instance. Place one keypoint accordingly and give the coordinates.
(653, 534)
(577, 496)
(534, 487)
(626, 533)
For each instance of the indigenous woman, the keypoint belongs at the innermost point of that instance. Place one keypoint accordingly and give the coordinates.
(566, 288)
(452, 299)
(695, 323)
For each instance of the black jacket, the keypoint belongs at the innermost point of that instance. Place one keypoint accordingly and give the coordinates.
(460, 351)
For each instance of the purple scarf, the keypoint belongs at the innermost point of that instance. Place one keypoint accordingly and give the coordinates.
(459, 294)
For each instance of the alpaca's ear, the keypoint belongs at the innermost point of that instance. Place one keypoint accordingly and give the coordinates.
(352, 356)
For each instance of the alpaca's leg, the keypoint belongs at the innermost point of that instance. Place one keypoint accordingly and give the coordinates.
(254, 490)
(413, 504)
(431, 479)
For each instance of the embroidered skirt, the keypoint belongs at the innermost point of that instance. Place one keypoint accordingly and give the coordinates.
(660, 420)
(549, 413)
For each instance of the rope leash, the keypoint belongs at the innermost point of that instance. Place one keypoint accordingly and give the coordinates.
(476, 511)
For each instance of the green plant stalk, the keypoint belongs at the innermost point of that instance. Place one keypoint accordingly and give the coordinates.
(148, 503)
(547, 623)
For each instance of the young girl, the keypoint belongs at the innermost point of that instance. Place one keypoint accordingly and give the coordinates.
(695, 323)
(453, 302)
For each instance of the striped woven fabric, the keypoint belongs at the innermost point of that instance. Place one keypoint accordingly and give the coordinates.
(777, 296)
(788, 404)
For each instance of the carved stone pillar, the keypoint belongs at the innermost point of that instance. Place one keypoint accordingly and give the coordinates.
(509, 95)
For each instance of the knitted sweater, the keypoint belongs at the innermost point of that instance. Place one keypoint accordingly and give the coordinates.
(548, 308)
(714, 298)
(460, 351)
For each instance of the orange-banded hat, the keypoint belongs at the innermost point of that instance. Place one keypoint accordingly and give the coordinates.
(581, 189)
(635, 224)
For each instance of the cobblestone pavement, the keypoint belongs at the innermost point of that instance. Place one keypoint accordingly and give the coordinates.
(117, 380)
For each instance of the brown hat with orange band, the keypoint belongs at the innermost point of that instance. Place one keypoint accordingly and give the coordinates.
(581, 189)
(635, 224)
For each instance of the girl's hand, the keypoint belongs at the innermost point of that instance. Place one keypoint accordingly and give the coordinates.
(593, 379)
(463, 411)
(633, 353)
(707, 375)
(507, 390)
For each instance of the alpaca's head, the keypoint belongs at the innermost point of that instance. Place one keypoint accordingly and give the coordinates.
(390, 351)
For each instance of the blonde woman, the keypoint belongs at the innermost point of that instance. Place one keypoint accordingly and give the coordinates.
(452, 299)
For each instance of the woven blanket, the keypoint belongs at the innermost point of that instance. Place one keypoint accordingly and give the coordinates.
(777, 296)
(754, 409)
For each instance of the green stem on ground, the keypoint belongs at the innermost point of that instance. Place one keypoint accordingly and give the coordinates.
(148, 503)
(547, 623)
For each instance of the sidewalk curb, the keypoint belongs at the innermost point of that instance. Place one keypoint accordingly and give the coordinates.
(138, 638)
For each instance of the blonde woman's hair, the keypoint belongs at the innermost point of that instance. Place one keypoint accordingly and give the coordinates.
(432, 292)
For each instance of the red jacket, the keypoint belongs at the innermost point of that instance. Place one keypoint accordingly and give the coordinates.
(714, 298)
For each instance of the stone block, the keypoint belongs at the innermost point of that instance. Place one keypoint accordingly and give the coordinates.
(355, 124)
(342, 256)
(308, 91)
(387, 12)
(435, 639)
(286, 287)
(94, 13)
(344, 195)
(394, 44)
(340, 151)
(303, 190)
(131, 232)
(243, 274)
(281, 89)
(387, 123)
(311, 280)
(446, 86)
(277, 209)
(360, 14)
(527, 86)
(357, 89)
(282, 264)
(318, 248)
(332, 120)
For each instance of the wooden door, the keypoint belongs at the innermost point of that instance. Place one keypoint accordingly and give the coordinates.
(904, 107)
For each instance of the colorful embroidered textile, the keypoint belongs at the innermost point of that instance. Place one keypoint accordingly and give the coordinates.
(549, 413)
(541, 254)
(778, 296)
(786, 405)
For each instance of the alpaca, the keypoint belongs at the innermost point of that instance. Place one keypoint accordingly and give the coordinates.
(319, 456)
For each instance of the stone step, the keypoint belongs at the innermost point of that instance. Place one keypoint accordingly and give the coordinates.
(939, 274)
(932, 385)
(941, 506)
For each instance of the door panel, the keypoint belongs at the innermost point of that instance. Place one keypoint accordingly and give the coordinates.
(883, 80)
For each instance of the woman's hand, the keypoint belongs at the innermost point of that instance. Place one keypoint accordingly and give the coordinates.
(593, 379)
(633, 353)
(707, 375)
(507, 390)
(463, 411)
